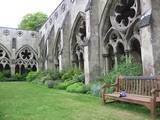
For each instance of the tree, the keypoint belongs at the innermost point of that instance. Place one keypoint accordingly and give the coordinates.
(33, 21)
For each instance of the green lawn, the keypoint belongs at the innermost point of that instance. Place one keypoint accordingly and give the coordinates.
(25, 101)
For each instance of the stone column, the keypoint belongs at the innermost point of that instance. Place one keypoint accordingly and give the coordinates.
(155, 34)
(86, 65)
(13, 62)
(92, 49)
(127, 55)
(105, 63)
(65, 43)
(61, 48)
(115, 60)
(146, 41)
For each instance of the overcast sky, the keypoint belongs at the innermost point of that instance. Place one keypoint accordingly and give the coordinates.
(12, 11)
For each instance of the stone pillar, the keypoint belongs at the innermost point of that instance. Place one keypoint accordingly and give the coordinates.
(155, 34)
(60, 55)
(146, 42)
(115, 60)
(127, 55)
(13, 62)
(86, 65)
(105, 63)
(65, 43)
(92, 68)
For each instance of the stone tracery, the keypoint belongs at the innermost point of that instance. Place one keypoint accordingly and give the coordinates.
(26, 60)
(4, 60)
(124, 31)
(78, 41)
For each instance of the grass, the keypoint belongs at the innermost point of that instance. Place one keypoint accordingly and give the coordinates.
(25, 101)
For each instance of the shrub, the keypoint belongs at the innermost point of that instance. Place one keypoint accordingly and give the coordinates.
(79, 78)
(128, 68)
(77, 88)
(18, 77)
(65, 84)
(32, 76)
(2, 77)
(54, 75)
(95, 88)
(68, 75)
(7, 73)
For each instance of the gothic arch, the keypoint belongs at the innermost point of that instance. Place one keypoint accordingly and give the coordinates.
(5, 62)
(26, 59)
(105, 24)
(77, 39)
(57, 49)
(135, 49)
(6, 50)
(119, 26)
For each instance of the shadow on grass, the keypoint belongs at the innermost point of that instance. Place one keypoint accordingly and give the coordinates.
(129, 107)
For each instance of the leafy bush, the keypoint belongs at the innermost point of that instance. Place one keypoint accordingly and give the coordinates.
(68, 74)
(7, 73)
(129, 68)
(54, 75)
(77, 88)
(94, 88)
(64, 85)
(6, 76)
(32, 76)
(18, 77)
(2, 77)
(79, 78)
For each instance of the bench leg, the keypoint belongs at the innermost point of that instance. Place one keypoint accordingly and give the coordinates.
(103, 99)
(153, 108)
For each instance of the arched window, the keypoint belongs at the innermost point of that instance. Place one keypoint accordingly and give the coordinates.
(4, 60)
(77, 43)
(26, 60)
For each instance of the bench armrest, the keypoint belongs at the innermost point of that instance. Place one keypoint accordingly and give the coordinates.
(105, 86)
(103, 90)
(154, 91)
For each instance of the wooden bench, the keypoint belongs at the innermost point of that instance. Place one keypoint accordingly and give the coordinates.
(140, 90)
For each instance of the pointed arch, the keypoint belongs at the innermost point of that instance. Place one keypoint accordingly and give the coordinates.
(105, 18)
(77, 38)
(57, 49)
(28, 47)
(80, 15)
(6, 50)
(26, 59)
(5, 61)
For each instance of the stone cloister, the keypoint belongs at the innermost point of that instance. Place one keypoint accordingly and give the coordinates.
(88, 34)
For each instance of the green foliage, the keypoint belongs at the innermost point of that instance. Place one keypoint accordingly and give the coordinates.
(54, 75)
(129, 68)
(65, 84)
(79, 78)
(2, 77)
(33, 21)
(18, 77)
(68, 74)
(6, 76)
(32, 76)
(77, 88)
(95, 88)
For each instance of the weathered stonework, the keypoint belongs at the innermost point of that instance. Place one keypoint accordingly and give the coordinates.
(91, 35)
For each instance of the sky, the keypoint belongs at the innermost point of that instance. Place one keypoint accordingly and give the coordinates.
(12, 11)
